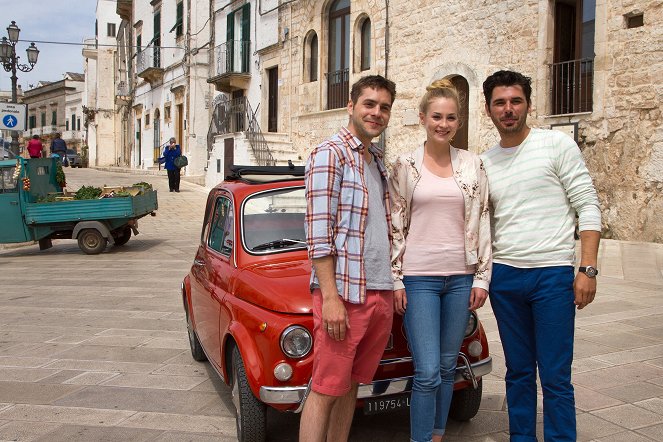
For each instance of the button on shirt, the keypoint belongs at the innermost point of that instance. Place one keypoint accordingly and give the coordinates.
(337, 207)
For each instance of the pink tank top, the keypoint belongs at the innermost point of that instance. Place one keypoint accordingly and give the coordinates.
(435, 245)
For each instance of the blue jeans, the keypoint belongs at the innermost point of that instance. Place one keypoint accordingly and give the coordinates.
(435, 321)
(535, 317)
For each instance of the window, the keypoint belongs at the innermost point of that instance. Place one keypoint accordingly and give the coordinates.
(572, 70)
(43, 119)
(179, 22)
(222, 227)
(238, 39)
(66, 125)
(147, 119)
(166, 113)
(338, 79)
(9, 183)
(312, 57)
(54, 118)
(156, 128)
(366, 45)
(157, 39)
(78, 123)
(110, 29)
(32, 121)
(139, 42)
(73, 121)
(634, 20)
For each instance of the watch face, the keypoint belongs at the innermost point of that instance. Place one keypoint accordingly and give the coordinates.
(591, 271)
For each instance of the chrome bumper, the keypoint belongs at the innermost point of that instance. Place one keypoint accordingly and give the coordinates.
(298, 394)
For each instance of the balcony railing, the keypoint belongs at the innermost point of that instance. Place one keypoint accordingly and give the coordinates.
(236, 115)
(338, 88)
(233, 57)
(149, 57)
(572, 86)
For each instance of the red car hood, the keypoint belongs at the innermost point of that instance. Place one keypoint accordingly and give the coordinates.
(277, 286)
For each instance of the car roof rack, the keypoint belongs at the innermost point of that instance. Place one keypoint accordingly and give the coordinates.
(265, 174)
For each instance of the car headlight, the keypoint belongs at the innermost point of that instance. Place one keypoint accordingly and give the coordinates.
(296, 341)
(472, 324)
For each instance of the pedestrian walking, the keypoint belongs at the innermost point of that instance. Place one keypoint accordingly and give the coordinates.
(59, 147)
(538, 183)
(35, 147)
(349, 241)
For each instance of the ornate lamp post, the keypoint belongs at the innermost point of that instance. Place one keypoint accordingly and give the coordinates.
(10, 63)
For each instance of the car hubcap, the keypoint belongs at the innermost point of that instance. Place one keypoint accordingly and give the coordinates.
(91, 241)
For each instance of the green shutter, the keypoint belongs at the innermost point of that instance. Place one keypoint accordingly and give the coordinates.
(246, 36)
(230, 35)
(179, 23)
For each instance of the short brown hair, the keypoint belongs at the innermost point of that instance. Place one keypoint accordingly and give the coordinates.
(373, 82)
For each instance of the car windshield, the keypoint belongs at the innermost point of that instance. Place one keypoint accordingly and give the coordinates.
(273, 221)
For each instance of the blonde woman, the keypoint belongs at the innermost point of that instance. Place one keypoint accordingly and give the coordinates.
(441, 254)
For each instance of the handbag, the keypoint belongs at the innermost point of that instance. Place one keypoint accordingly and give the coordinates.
(181, 161)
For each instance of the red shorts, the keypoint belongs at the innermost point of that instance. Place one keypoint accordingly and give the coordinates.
(337, 363)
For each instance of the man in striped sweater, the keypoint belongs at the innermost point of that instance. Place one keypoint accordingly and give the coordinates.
(538, 183)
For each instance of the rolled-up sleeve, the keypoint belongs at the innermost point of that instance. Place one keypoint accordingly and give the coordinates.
(323, 180)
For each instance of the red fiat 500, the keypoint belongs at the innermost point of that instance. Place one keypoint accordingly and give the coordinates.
(248, 307)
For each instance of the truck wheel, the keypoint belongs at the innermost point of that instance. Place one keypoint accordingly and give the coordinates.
(465, 403)
(123, 236)
(250, 412)
(196, 349)
(91, 241)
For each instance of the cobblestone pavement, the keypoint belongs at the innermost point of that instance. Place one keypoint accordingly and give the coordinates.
(95, 347)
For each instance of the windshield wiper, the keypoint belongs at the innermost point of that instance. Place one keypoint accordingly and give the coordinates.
(277, 244)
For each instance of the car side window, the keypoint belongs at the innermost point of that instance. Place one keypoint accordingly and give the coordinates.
(8, 183)
(222, 230)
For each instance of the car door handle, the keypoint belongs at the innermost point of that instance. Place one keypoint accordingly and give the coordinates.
(14, 203)
(199, 262)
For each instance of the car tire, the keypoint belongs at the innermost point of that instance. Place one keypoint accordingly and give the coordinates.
(123, 236)
(196, 349)
(465, 403)
(250, 412)
(91, 241)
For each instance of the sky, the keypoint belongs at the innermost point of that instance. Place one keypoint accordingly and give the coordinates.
(69, 21)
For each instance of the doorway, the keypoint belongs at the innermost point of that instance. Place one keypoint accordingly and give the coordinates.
(273, 99)
(460, 141)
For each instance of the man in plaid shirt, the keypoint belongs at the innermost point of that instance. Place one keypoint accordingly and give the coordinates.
(349, 243)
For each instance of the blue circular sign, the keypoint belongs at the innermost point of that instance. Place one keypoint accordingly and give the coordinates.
(9, 121)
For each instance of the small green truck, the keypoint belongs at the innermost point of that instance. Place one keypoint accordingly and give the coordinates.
(24, 216)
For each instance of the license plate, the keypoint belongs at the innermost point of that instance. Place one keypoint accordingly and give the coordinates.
(385, 404)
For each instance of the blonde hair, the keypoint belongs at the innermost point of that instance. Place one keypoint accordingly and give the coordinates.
(443, 88)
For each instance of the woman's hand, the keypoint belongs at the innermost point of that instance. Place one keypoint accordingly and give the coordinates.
(477, 297)
(400, 301)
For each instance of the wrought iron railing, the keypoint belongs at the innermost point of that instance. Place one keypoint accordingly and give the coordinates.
(572, 86)
(236, 115)
(338, 88)
(149, 57)
(232, 57)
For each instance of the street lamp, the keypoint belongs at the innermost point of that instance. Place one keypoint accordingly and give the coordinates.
(10, 63)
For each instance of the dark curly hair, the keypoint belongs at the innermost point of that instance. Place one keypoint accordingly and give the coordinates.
(507, 78)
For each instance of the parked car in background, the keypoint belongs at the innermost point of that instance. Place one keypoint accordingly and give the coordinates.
(74, 158)
(248, 307)
(6, 154)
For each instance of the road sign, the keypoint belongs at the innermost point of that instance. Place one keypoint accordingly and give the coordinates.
(13, 116)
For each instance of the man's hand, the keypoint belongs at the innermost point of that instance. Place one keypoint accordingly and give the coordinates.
(584, 289)
(477, 298)
(335, 317)
(400, 301)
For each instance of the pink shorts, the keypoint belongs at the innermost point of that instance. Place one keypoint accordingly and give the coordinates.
(337, 363)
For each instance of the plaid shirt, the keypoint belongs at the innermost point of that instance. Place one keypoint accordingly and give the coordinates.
(336, 209)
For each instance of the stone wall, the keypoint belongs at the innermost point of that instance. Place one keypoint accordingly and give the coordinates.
(621, 138)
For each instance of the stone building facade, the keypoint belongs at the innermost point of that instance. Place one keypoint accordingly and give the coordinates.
(596, 67)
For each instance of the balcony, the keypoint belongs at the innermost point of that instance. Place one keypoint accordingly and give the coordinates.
(232, 66)
(338, 89)
(122, 93)
(90, 48)
(572, 86)
(148, 64)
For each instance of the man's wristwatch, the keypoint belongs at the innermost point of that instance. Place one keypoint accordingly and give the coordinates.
(590, 271)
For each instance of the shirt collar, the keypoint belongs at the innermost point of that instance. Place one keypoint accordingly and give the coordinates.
(355, 144)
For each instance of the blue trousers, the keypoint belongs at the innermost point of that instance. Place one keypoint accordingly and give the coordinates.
(435, 320)
(535, 316)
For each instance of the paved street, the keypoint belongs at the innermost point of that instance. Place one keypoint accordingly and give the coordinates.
(95, 348)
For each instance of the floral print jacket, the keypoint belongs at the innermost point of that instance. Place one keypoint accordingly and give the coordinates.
(470, 175)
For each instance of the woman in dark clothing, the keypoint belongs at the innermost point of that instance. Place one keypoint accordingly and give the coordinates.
(171, 152)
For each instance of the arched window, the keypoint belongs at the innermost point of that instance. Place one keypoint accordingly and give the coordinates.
(338, 75)
(313, 66)
(366, 45)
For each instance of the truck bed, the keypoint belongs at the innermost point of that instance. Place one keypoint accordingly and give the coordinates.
(90, 210)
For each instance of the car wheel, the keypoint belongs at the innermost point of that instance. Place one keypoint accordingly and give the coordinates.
(196, 349)
(91, 241)
(250, 412)
(123, 236)
(465, 403)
